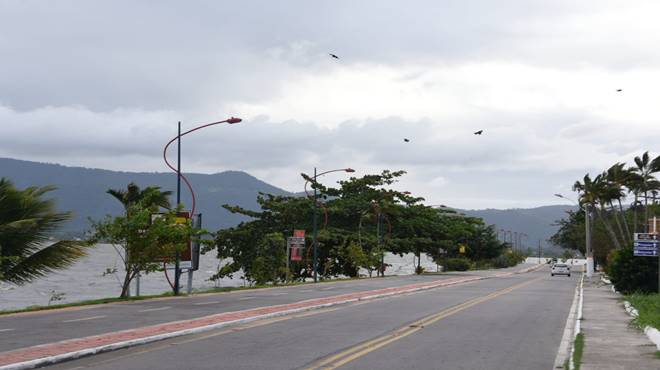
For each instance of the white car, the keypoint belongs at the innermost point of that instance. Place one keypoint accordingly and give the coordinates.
(560, 269)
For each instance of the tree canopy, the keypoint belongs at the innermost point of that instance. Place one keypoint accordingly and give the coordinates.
(365, 218)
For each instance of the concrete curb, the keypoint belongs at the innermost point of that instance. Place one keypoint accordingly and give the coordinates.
(578, 324)
(565, 350)
(652, 333)
(52, 359)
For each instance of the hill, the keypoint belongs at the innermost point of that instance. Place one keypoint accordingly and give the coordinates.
(538, 222)
(82, 190)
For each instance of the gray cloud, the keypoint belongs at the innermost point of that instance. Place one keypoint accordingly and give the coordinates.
(103, 83)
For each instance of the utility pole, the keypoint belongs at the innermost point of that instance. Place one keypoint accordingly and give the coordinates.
(315, 231)
(539, 251)
(379, 222)
(177, 273)
(590, 253)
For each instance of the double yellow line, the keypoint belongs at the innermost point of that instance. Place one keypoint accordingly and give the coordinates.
(353, 353)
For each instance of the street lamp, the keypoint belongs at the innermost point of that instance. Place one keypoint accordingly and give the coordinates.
(177, 170)
(314, 217)
(587, 227)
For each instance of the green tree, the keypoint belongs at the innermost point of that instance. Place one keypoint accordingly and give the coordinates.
(146, 241)
(27, 220)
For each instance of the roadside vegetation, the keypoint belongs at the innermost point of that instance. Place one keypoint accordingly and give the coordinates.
(359, 221)
(578, 349)
(621, 199)
(648, 307)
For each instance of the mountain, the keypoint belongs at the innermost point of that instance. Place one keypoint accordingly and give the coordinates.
(83, 190)
(537, 223)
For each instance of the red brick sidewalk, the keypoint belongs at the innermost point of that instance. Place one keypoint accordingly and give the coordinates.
(30, 357)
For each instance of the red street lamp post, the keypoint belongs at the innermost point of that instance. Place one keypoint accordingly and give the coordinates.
(177, 170)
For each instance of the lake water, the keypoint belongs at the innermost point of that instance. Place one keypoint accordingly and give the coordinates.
(85, 279)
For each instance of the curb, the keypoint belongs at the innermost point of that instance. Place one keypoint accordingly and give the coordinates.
(652, 333)
(565, 351)
(52, 359)
(578, 323)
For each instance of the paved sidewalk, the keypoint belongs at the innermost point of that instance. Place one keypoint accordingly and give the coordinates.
(610, 342)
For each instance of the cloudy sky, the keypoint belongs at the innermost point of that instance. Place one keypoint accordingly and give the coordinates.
(103, 83)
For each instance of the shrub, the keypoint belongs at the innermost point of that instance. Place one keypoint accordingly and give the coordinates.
(631, 274)
(457, 264)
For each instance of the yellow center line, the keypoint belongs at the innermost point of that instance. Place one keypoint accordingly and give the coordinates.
(351, 354)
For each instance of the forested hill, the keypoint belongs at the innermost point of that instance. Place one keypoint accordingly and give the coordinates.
(538, 223)
(83, 190)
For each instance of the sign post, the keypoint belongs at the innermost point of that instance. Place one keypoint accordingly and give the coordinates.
(646, 244)
(294, 248)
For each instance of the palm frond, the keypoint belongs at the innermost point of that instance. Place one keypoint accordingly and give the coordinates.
(53, 257)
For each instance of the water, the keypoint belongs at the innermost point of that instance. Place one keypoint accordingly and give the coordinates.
(85, 279)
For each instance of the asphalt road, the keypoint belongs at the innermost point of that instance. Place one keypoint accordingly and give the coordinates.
(513, 322)
(33, 328)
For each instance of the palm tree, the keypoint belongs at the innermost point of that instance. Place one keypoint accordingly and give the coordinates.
(617, 176)
(596, 193)
(151, 196)
(26, 222)
(645, 168)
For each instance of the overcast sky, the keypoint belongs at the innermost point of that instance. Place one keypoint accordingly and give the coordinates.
(103, 83)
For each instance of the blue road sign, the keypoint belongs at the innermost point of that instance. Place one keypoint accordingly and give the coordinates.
(646, 244)
(645, 252)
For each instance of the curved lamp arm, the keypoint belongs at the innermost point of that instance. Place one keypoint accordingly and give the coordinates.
(230, 121)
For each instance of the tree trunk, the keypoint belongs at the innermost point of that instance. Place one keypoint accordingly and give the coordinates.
(609, 228)
(635, 214)
(618, 223)
(624, 215)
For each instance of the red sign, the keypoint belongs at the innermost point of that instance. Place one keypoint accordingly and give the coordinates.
(299, 233)
(296, 254)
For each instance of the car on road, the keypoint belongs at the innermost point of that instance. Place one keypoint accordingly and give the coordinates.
(560, 269)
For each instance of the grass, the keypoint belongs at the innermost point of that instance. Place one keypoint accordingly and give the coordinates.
(577, 351)
(648, 306)
(167, 294)
(657, 354)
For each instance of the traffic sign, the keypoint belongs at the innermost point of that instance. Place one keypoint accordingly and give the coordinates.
(646, 244)
(646, 236)
(645, 252)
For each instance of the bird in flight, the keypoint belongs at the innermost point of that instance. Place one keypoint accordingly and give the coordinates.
(334, 56)
(479, 132)
(406, 140)
(619, 90)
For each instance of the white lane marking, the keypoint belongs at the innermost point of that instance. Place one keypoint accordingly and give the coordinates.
(86, 318)
(276, 294)
(4, 330)
(306, 290)
(156, 309)
(329, 288)
(203, 303)
(245, 298)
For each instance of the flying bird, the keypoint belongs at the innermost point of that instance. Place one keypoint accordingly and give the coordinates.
(619, 90)
(334, 56)
(479, 132)
(406, 140)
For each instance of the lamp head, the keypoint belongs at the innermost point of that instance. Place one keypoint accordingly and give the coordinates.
(349, 170)
(233, 120)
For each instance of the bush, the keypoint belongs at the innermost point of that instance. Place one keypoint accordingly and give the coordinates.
(457, 264)
(631, 274)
